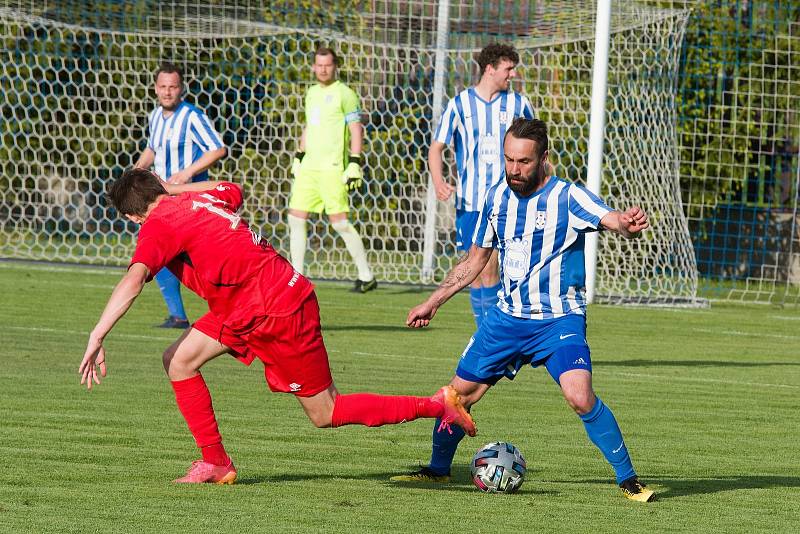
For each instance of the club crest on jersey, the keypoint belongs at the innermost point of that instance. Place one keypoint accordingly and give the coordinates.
(328, 99)
(516, 259)
(541, 220)
(504, 117)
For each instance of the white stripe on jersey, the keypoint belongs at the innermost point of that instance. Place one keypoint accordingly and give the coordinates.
(180, 139)
(476, 129)
(541, 244)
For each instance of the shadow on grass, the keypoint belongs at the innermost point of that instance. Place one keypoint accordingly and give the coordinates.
(688, 363)
(364, 328)
(460, 477)
(669, 488)
(665, 487)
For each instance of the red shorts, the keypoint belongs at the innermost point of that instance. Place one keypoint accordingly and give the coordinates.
(291, 348)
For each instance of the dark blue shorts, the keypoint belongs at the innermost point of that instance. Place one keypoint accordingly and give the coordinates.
(466, 221)
(503, 344)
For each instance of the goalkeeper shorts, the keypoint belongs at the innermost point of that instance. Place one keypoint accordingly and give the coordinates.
(318, 191)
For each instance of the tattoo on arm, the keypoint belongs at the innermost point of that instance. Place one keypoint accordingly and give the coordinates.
(457, 274)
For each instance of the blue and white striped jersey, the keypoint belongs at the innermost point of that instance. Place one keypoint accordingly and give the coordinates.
(180, 139)
(540, 239)
(476, 129)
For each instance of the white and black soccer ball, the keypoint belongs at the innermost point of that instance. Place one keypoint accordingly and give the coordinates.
(498, 468)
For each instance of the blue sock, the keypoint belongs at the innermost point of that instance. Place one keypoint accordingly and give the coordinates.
(604, 432)
(444, 447)
(489, 297)
(477, 304)
(170, 288)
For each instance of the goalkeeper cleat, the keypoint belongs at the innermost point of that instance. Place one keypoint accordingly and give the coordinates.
(454, 411)
(203, 472)
(363, 287)
(636, 491)
(174, 322)
(423, 476)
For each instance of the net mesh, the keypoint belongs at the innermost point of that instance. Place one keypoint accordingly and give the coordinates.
(77, 80)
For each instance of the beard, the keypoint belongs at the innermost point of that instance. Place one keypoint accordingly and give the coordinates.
(525, 185)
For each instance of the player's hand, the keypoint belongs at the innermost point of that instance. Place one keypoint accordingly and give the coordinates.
(352, 176)
(421, 315)
(443, 189)
(93, 359)
(180, 177)
(634, 220)
(296, 164)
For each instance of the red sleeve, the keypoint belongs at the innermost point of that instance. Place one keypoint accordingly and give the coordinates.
(155, 247)
(229, 193)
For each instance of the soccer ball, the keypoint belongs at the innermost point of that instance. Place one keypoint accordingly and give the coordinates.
(498, 468)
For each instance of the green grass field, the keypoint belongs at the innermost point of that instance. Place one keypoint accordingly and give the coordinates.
(707, 400)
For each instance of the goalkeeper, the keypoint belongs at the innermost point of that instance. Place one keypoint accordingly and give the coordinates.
(327, 166)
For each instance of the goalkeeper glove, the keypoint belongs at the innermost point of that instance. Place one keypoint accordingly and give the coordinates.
(296, 162)
(353, 175)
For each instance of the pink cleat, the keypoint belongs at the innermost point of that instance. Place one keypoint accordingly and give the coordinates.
(201, 472)
(454, 411)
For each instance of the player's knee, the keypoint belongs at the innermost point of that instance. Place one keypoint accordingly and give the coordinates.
(582, 401)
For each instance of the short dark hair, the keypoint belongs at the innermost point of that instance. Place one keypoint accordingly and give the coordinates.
(134, 191)
(325, 51)
(532, 129)
(169, 68)
(492, 54)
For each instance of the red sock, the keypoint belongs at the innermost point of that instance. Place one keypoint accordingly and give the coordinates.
(369, 409)
(194, 402)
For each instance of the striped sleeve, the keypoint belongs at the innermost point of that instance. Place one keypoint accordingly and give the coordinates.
(586, 207)
(485, 233)
(527, 108)
(151, 142)
(202, 132)
(444, 132)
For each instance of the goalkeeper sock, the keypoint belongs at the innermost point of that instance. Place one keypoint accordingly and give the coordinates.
(444, 447)
(602, 428)
(194, 403)
(475, 298)
(489, 297)
(298, 241)
(355, 247)
(369, 409)
(170, 288)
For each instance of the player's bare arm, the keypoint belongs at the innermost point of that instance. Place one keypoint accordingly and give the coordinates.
(206, 160)
(629, 223)
(177, 189)
(435, 161)
(120, 301)
(356, 137)
(146, 159)
(465, 271)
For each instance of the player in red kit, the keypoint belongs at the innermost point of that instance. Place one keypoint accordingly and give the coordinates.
(259, 307)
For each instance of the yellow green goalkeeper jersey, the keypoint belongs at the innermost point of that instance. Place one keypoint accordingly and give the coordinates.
(329, 111)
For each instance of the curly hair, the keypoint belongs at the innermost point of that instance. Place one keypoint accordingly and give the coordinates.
(492, 54)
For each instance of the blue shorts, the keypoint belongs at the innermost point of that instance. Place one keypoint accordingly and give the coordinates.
(503, 344)
(466, 221)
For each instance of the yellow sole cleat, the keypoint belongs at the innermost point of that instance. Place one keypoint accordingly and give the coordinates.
(423, 476)
(636, 491)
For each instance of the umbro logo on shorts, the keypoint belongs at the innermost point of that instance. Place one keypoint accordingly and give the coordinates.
(294, 386)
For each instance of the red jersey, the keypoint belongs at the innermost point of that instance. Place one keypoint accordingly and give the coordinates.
(202, 238)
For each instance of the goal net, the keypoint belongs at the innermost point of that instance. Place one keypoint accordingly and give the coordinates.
(77, 88)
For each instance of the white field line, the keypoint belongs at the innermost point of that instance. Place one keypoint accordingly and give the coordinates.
(785, 317)
(743, 333)
(406, 357)
(27, 267)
